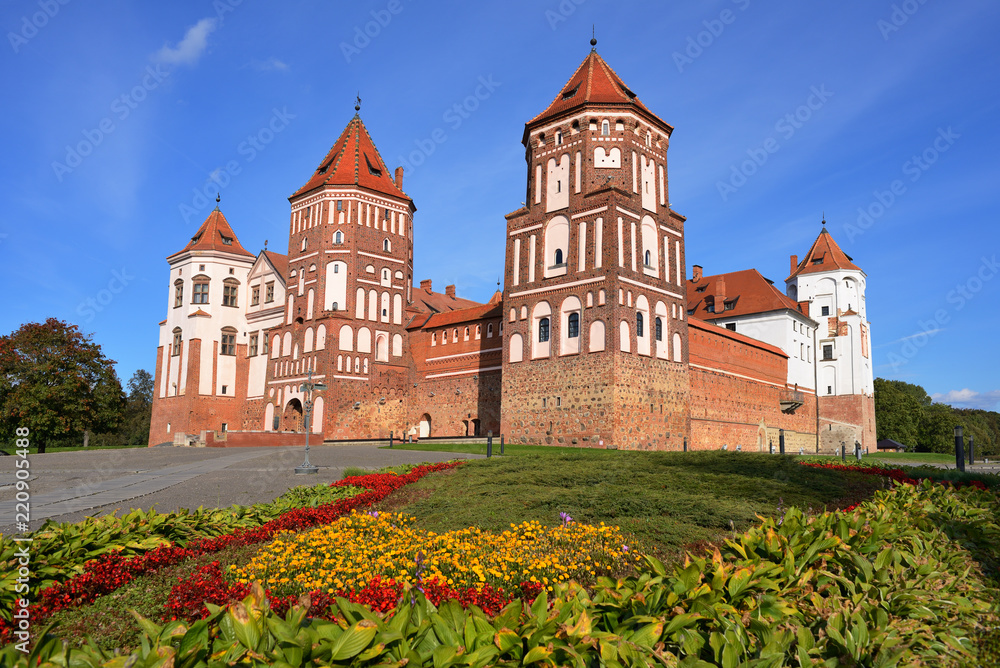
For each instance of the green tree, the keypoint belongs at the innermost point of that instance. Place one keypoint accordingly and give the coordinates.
(937, 429)
(56, 382)
(139, 408)
(897, 411)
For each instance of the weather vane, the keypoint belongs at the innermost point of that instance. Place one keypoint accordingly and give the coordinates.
(357, 102)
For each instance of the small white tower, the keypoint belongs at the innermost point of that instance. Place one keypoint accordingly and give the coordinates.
(834, 286)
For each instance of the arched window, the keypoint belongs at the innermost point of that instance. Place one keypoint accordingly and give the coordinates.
(659, 329)
(647, 258)
(489, 330)
(649, 138)
(605, 128)
(516, 348)
(558, 137)
(556, 241)
(178, 293)
(638, 324)
(387, 245)
(434, 338)
(573, 326)
(543, 330)
(338, 237)
(559, 256)
(304, 243)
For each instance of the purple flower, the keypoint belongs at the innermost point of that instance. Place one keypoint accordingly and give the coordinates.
(624, 548)
(373, 513)
(566, 519)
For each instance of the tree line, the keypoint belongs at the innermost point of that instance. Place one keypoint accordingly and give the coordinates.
(56, 381)
(905, 413)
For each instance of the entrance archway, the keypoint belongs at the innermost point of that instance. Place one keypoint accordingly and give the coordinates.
(291, 419)
(425, 426)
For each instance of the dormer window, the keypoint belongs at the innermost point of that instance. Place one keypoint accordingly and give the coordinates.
(227, 241)
(374, 171)
(571, 92)
(195, 239)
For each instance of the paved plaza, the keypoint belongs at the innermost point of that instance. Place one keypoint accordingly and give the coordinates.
(69, 486)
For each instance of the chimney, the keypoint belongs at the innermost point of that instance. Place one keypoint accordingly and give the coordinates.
(426, 285)
(720, 294)
(794, 260)
(696, 273)
(399, 177)
(450, 291)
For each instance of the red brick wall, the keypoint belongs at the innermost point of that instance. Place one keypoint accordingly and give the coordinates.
(736, 390)
(846, 419)
(246, 439)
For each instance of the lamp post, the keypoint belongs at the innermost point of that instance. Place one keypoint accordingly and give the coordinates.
(308, 387)
(959, 449)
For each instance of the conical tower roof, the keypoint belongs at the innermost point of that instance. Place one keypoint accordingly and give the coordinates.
(825, 255)
(353, 160)
(215, 234)
(593, 83)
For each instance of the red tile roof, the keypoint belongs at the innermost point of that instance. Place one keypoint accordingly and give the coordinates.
(490, 310)
(427, 303)
(594, 84)
(279, 262)
(825, 255)
(736, 336)
(752, 294)
(353, 160)
(215, 234)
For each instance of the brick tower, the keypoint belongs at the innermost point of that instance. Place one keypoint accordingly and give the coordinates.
(595, 337)
(350, 268)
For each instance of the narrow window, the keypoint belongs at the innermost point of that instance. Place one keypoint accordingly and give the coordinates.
(230, 291)
(228, 346)
(340, 205)
(638, 325)
(827, 352)
(573, 326)
(269, 293)
(176, 349)
(543, 330)
(200, 292)
(659, 329)
(304, 243)
(386, 246)
(605, 128)
(254, 338)
(648, 258)
(255, 296)
(558, 136)
(558, 256)
(178, 293)
(338, 238)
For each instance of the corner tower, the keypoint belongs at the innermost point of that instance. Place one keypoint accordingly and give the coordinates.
(201, 361)
(834, 286)
(595, 337)
(350, 271)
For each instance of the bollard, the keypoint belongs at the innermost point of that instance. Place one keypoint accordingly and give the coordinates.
(489, 445)
(501, 445)
(857, 451)
(843, 452)
(801, 452)
(972, 446)
(771, 446)
(390, 438)
(781, 442)
(959, 449)
(685, 444)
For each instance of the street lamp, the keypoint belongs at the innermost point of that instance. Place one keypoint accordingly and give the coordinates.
(308, 387)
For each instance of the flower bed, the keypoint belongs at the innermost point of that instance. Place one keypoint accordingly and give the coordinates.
(907, 579)
(114, 569)
(347, 554)
(898, 475)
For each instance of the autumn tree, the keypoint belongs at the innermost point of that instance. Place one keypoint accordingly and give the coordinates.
(56, 382)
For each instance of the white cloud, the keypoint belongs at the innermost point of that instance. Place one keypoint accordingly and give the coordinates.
(189, 49)
(272, 64)
(967, 398)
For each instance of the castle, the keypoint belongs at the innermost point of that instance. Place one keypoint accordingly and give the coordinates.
(598, 338)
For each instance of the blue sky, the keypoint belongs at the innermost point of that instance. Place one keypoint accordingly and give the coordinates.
(117, 114)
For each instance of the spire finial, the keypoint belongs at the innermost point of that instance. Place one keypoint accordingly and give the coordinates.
(265, 244)
(357, 103)
(824, 218)
(218, 198)
(593, 37)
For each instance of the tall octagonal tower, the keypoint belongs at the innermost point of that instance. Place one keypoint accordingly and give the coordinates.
(595, 336)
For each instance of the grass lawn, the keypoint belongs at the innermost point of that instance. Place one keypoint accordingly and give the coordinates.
(10, 449)
(668, 500)
(918, 458)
